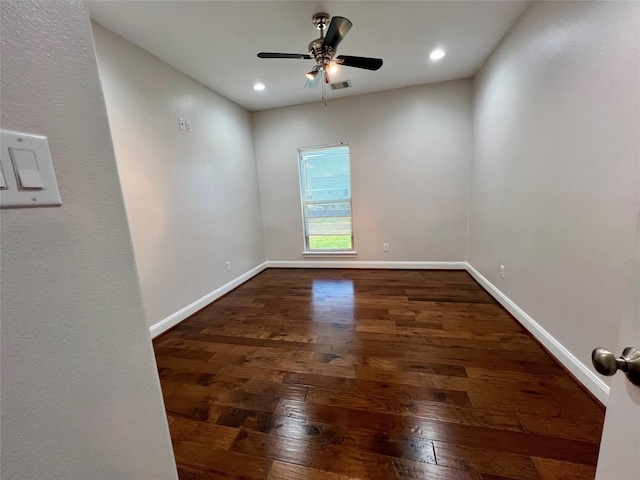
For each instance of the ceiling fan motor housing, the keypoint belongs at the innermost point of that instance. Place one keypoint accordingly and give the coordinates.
(321, 53)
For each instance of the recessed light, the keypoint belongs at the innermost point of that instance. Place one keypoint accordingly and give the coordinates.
(259, 86)
(437, 54)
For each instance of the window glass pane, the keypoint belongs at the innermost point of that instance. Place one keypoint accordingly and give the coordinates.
(325, 190)
(328, 226)
(328, 174)
(327, 209)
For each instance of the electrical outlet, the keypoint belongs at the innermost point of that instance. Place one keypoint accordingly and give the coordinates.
(228, 266)
(385, 247)
(501, 271)
(182, 123)
(189, 126)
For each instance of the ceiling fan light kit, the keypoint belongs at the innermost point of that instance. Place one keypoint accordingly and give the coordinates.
(313, 73)
(323, 51)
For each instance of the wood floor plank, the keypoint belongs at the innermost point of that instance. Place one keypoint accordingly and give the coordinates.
(369, 374)
(546, 381)
(217, 338)
(182, 353)
(237, 370)
(227, 398)
(187, 344)
(275, 389)
(557, 470)
(327, 434)
(339, 458)
(381, 389)
(210, 434)
(191, 409)
(177, 378)
(577, 428)
(220, 463)
(500, 440)
(193, 473)
(551, 403)
(289, 471)
(482, 460)
(414, 408)
(168, 387)
(434, 369)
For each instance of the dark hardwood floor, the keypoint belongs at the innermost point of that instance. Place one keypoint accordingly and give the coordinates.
(369, 374)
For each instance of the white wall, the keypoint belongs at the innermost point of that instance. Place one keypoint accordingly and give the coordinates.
(80, 395)
(556, 167)
(192, 198)
(409, 170)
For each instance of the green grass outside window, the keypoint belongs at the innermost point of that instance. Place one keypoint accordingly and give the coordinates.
(330, 242)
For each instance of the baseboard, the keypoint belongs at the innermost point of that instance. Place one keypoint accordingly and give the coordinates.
(366, 264)
(172, 320)
(585, 376)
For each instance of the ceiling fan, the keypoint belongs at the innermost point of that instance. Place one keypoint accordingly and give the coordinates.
(323, 51)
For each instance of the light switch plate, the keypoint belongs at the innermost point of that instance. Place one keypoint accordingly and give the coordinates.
(14, 196)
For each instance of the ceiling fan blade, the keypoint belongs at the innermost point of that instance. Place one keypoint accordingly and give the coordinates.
(313, 83)
(367, 63)
(302, 56)
(337, 30)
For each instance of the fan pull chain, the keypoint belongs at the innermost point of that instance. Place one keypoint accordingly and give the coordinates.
(324, 97)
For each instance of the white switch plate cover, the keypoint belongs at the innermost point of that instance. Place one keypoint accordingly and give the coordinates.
(14, 197)
(189, 126)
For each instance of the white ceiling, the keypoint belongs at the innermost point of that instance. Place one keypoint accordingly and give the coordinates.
(216, 42)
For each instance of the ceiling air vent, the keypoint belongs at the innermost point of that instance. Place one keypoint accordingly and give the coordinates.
(340, 85)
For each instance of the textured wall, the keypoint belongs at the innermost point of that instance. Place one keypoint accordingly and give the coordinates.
(409, 170)
(556, 169)
(80, 395)
(192, 198)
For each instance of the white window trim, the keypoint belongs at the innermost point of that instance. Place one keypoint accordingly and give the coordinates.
(325, 253)
(332, 253)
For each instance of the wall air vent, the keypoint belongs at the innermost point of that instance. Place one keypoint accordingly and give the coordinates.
(340, 85)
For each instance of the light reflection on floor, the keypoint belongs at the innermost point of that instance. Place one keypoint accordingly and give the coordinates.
(333, 306)
(333, 301)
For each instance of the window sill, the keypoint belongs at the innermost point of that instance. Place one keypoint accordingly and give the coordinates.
(351, 253)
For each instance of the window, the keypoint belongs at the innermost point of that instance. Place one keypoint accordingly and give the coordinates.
(325, 191)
